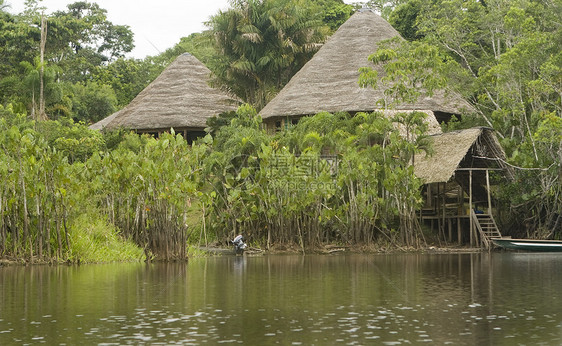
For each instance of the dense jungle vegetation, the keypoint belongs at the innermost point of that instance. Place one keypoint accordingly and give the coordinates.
(72, 194)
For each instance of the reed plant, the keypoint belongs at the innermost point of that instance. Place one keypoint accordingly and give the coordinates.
(331, 178)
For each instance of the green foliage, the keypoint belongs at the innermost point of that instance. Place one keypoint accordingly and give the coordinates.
(46, 207)
(114, 138)
(261, 44)
(335, 12)
(144, 187)
(412, 70)
(74, 140)
(404, 18)
(216, 122)
(196, 44)
(510, 70)
(385, 7)
(127, 77)
(282, 189)
(65, 197)
(18, 42)
(30, 86)
(80, 42)
(33, 197)
(92, 102)
(84, 27)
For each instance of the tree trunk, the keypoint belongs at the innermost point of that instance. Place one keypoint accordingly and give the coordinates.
(42, 114)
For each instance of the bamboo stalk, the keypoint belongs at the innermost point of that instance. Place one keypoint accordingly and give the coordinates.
(42, 114)
(25, 211)
(39, 228)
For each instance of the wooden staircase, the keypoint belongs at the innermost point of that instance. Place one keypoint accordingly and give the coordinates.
(486, 226)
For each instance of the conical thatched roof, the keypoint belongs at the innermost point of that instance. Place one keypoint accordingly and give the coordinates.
(451, 148)
(100, 125)
(329, 81)
(180, 97)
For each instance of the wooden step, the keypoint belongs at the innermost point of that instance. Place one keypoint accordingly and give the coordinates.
(486, 226)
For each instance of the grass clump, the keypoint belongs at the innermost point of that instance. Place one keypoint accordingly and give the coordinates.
(95, 240)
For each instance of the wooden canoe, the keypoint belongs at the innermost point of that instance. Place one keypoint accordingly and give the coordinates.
(529, 244)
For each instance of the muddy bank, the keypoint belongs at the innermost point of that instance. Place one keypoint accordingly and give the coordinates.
(330, 249)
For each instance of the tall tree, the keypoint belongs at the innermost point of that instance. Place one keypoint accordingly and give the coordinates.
(334, 12)
(42, 114)
(127, 77)
(79, 44)
(511, 63)
(262, 43)
(18, 42)
(81, 38)
(385, 7)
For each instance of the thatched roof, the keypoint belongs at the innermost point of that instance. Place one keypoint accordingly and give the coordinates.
(180, 97)
(329, 81)
(475, 147)
(100, 125)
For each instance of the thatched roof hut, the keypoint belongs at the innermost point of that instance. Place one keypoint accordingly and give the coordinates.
(180, 98)
(459, 176)
(464, 149)
(329, 81)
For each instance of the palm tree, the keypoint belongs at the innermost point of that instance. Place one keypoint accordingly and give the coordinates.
(261, 44)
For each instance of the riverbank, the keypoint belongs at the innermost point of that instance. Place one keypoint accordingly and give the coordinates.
(370, 249)
(218, 251)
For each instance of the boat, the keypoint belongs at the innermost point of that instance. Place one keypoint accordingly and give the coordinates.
(529, 244)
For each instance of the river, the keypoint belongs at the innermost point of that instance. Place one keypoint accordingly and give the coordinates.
(479, 298)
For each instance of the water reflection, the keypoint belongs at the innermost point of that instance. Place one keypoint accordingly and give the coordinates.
(499, 298)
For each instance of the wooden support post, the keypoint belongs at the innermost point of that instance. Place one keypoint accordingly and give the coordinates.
(443, 221)
(470, 206)
(488, 189)
(438, 214)
(459, 235)
(429, 196)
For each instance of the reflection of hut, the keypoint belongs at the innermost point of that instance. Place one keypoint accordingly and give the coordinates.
(179, 98)
(329, 81)
(459, 175)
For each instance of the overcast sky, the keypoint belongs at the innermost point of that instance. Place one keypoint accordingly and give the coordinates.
(157, 24)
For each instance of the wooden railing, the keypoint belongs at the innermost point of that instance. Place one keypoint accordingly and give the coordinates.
(486, 226)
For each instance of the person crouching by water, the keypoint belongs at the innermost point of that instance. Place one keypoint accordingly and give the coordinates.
(239, 245)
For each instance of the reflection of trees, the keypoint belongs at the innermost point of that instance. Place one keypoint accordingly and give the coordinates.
(460, 298)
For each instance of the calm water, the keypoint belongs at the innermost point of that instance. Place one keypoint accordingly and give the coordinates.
(498, 298)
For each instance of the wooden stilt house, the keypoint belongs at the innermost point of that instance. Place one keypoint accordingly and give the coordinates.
(459, 176)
